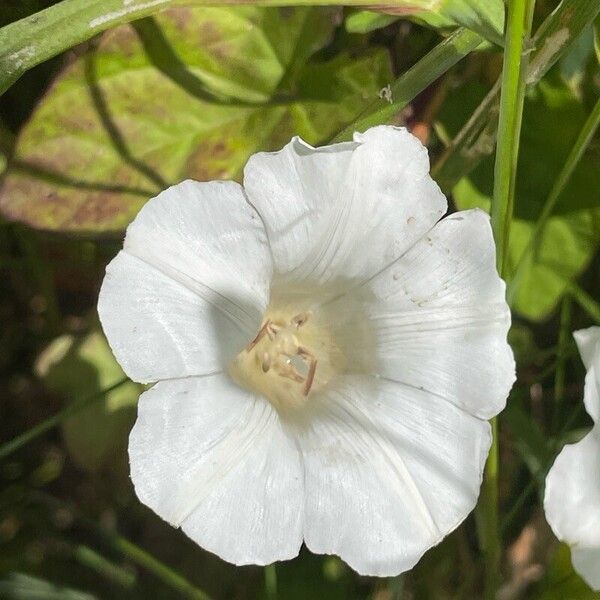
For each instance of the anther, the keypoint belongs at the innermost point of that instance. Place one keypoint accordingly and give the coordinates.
(300, 319)
(259, 336)
(307, 355)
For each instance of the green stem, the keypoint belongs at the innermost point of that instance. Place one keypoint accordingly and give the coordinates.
(581, 144)
(93, 560)
(518, 28)
(421, 75)
(132, 551)
(159, 569)
(591, 306)
(509, 124)
(564, 336)
(29, 435)
(271, 581)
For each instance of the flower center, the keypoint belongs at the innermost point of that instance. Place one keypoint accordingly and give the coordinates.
(291, 357)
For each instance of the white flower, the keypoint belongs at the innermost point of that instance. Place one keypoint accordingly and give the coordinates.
(572, 499)
(326, 354)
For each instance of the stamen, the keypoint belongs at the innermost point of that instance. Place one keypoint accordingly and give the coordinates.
(306, 354)
(285, 350)
(259, 336)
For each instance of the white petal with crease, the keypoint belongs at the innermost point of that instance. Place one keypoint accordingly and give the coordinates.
(344, 211)
(207, 456)
(189, 288)
(439, 319)
(390, 471)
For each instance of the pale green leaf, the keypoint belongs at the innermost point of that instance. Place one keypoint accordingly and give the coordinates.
(365, 21)
(76, 368)
(553, 118)
(485, 17)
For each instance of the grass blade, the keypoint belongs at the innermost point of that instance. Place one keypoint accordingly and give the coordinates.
(37, 430)
(434, 64)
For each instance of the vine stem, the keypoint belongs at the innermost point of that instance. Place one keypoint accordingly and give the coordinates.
(518, 30)
(56, 419)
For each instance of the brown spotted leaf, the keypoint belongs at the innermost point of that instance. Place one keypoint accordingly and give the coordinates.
(192, 93)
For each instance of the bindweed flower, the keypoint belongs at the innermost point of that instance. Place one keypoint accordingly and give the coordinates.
(326, 354)
(572, 498)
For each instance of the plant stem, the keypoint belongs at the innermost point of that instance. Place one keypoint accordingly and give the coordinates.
(26, 437)
(132, 551)
(422, 74)
(518, 28)
(271, 581)
(591, 306)
(564, 335)
(162, 571)
(509, 125)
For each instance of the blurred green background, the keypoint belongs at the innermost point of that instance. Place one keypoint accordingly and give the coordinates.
(87, 137)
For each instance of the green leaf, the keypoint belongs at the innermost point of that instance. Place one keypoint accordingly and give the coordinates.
(529, 440)
(79, 368)
(365, 21)
(19, 586)
(192, 94)
(574, 62)
(553, 118)
(477, 138)
(485, 17)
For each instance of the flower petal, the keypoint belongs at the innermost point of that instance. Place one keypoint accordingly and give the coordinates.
(343, 211)
(390, 470)
(189, 288)
(585, 562)
(572, 497)
(438, 318)
(209, 457)
(588, 342)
